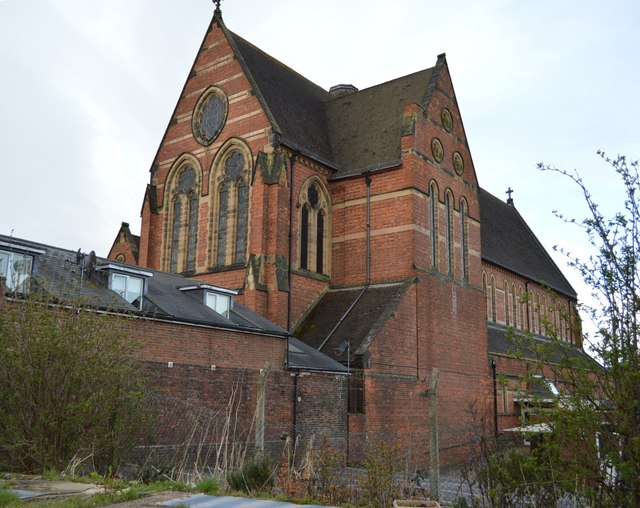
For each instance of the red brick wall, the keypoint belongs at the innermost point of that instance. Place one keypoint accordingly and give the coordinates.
(192, 399)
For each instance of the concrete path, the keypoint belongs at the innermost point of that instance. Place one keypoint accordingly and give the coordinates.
(204, 501)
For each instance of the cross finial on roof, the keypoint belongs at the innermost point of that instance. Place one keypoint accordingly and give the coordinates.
(218, 11)
(509, 199)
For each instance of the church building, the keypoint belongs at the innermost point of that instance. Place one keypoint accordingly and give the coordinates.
(354, 220)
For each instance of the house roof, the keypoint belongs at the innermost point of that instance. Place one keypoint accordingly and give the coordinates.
(353, 315)
(70, 277)
(352, 133)
(508, 242)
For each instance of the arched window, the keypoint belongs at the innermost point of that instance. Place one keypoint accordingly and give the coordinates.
(485, 288)
(536, 312)
(493, 299)
(464, 239)
(182, 224)
(314, 227)
(506, 302)
(433, 223)
(514, 305)
(230, 205)
(448, 205)
(521, 305)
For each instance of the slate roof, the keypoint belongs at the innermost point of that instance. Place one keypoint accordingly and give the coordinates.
(507, 241)
(354, 315)
(506, 342)
(351, 133)
(365, 127)
(68, 277)
(361, 131)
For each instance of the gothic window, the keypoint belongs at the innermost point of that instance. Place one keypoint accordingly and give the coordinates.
(448, 205)
(314, 228)
(485, 289)
(182, 231)
(464, 239)
(506, 303)
(493, 298)
(230, 208)
(521, 304)
(433, 223)
(514, 305)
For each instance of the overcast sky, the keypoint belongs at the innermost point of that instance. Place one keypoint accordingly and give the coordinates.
(87, 88)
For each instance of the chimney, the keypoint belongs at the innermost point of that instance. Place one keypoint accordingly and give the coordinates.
(343, 89)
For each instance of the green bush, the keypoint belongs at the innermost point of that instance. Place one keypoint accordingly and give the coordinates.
(209, 486)
(79, 393)
(255, 476)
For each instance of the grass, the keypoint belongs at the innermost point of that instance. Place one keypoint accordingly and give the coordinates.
(8, 498)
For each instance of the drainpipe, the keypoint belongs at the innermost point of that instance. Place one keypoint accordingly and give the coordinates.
(495, 397)
(292, 159)
(295, 407)
(367, 180)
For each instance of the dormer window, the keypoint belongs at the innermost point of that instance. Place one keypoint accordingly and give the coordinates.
(216, 298)
(218, 302)
(16, 265)
(128, 287)
(127, 281)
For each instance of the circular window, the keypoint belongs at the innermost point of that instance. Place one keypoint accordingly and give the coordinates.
(209, 115)
(437, 150)
(458, 162)
(447, 119)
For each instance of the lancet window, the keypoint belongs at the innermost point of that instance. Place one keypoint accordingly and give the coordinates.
(183, 220)
(314, 228)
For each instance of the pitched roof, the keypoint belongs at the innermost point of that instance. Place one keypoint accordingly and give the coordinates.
(365, 127)
(69, 276)
(508, 342)
(354, 315)
(508, 242)
(351, 133)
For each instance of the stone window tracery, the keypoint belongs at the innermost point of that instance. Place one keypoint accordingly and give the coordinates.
(314, 228)
(230, 208)
(182, 230)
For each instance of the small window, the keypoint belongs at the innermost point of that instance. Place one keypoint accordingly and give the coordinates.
(128, 287)
(15, 269)
(220, 303)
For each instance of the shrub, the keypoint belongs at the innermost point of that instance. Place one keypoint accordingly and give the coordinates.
(255, 476)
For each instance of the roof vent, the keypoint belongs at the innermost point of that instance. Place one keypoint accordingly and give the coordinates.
(340, 90)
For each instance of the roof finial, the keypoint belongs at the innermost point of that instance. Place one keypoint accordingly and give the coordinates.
(509, 199)
(217, 12)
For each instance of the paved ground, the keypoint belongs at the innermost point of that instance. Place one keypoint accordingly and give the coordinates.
(33, 487)
(36, 487)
